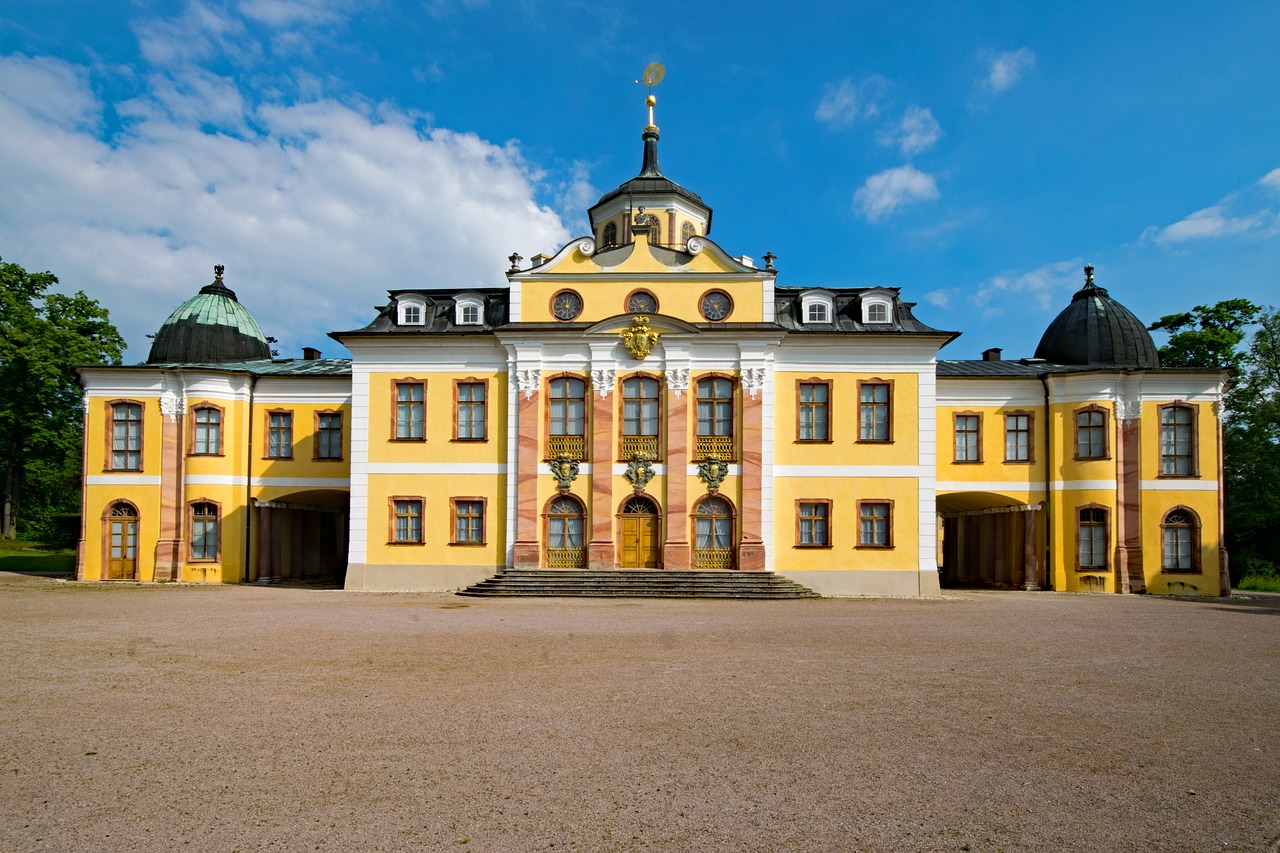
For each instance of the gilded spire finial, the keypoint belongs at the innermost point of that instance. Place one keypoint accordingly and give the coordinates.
(217, 271)
(652, 76)
(1088, 275)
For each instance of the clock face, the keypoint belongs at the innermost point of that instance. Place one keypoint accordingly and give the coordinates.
(641, 302)
(716, 305)
(566, 305)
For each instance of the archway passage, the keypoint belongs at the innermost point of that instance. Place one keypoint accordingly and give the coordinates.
(988, 541)
(302, 538)
(639, 534)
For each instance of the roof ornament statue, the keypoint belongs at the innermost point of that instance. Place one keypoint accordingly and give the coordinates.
(1088, 276)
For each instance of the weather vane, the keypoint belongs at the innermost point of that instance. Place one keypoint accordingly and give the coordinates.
(652, 76)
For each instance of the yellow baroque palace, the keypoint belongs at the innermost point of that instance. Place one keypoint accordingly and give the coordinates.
(644, 399)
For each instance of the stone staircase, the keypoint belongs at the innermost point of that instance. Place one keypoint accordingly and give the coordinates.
(638, 583)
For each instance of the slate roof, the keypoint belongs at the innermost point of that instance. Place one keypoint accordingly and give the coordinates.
(211, 326)
(1097, 331)
(267, 366)
(847, 314)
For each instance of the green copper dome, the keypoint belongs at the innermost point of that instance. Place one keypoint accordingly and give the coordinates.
(210, 327)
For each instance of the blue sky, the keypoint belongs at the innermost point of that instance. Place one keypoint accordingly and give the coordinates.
(975, 155)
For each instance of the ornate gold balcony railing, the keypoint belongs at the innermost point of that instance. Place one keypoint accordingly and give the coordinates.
(646, 444)
(713, 558)
(566, 558)
(713, 445)
(573, 446)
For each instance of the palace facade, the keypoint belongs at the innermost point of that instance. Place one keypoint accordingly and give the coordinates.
(643, 399)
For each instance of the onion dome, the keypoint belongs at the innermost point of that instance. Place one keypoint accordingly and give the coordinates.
(1096, 331)
(209, 328)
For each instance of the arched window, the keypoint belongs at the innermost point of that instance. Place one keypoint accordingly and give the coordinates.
(686, 231)
(640, 416)
(204, 531)
(122, 542)
(1180, 541)
(713, 534)
(567, 411)
(609, 236)
(565, 522)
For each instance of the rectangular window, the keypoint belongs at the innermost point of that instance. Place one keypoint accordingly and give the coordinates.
(469, 411)
(329, 435)
(207, 429)
(279, 435)
(1091, 434)
(1017, 437)
(468, 521)
(126, 437)
(406, 521)
(1091, 535)
(204, 531)
(715, 418)
(815, 412)
(567, 416)
(1177, 441)
(968, 438)
(874, 403)
(640, 410)
(410, 408)
(814, 524)
(875, 524)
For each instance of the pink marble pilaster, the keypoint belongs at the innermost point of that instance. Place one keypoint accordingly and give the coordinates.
(600, 550)
(675, 550)
(1129, 571)
(751, 548)
(169, 545)
(525, 552)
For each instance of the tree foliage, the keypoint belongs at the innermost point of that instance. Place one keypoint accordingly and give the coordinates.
(1214, 337)
(44, 336)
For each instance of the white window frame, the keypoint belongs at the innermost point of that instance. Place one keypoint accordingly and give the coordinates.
(411, 301)
(462, 303)
(819, 300)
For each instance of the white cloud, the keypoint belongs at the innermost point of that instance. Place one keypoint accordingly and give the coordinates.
(939, 298)
(316, 212)
(1044, 286)
(915, 132)
(1007, 68)
(886, 192)
(846, 102)
(1252, 210)
(286, 13)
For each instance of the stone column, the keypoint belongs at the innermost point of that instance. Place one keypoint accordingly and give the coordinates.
(528, 419)
(1129, 570)
(1030, 577)
(751, 546)
(600, 548)
(675, 549)
(170, 544)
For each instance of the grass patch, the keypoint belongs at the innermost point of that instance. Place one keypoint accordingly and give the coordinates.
(1259, 583)
(33, 558)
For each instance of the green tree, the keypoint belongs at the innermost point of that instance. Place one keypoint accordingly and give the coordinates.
(44, 336)
(1214, 337)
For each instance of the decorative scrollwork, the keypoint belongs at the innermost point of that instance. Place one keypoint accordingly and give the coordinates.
(602, 379)
(565, 469)
(528, 381)
(171, 404)
(639, 471)
(639, 339)
(678, 380)
(753, 380)
(712, 471)
(587, 246)
(1128, 410)
(694, 245)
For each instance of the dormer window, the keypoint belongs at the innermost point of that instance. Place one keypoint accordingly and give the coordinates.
(411, 309)
(469, 310)
(876, 310)
(817, 306)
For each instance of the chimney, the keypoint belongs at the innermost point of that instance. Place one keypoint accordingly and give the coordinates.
(992, 354)
(539, 260)
(310, 354)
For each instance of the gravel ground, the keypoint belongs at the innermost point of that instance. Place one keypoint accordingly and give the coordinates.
(249, 718)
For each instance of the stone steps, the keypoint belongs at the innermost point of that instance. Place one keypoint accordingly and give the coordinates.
(638, 583)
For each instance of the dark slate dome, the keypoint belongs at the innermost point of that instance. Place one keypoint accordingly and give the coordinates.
(209, 328)
(1096, 331)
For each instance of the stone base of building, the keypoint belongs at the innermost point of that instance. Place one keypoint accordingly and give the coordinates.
(394, 578)
(850, 584)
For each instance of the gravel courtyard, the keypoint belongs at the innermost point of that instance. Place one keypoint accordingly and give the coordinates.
(249, 718)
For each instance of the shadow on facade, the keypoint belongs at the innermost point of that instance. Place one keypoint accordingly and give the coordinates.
(990, 541)
(301, 539)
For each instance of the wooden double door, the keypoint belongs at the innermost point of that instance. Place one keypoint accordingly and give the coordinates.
(640, 535)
